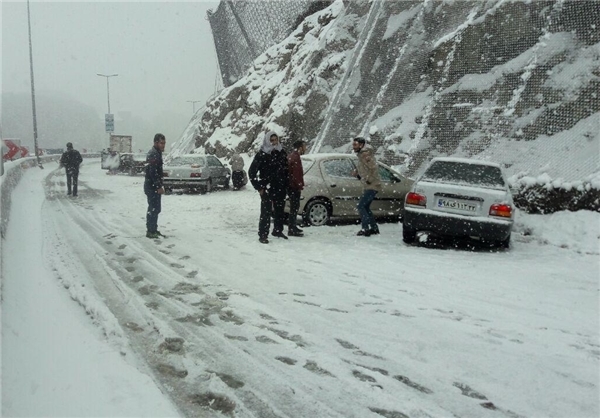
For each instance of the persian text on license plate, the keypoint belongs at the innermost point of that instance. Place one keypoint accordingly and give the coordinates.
(456, 204)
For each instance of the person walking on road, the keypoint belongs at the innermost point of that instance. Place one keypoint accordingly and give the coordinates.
(268, 174)
(296, 185)
(153, 185)
(237, 171)
(71, 160)
(368, 174)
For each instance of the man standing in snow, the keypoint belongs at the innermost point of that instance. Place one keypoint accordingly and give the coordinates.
(368, 174)
(71, 160)
(153, 185)
(268, 174)
(295, 186)
(237, 171)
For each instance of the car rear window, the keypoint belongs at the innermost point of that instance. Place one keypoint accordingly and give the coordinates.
(188, 161)
(464, 173)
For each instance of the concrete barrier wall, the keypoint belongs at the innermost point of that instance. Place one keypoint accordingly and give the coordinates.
(13, 171)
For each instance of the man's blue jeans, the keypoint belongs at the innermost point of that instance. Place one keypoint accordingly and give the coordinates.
(364, 209)
(153, 211)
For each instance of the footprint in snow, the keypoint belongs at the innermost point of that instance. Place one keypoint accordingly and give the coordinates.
(412, 384)
(286, 360)
(214, 401)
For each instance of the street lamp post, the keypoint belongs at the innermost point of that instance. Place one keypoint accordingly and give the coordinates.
(35, 133)
(108, 115)
(193, 102)
(107, 87)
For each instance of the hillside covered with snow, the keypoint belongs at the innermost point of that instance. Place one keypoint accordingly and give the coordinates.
(509, 81)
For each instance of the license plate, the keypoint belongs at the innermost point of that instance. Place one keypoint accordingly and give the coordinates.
(456, 204)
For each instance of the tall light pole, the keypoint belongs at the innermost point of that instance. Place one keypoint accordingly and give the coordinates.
(108, 119)
(107, 87)
(193, 102)
(35, 133)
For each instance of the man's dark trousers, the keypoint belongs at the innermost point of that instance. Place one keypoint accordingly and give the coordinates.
(237, 178)
(154, 200)
(294, 208)
(72, 176)
(268, 207)
(364, 209)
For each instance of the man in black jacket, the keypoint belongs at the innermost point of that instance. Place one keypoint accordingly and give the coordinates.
(153, 185)
(71, 160)
(268, 174)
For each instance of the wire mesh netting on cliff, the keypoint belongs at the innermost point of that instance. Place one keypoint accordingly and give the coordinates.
(514, 82)
(244, 29)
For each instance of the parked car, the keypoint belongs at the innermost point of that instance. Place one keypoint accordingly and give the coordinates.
(331, 191)
(460, 198)
(195, 172)
(132, 163)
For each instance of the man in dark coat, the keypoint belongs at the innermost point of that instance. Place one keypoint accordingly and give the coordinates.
(71, 160)
(153, 185)
(268, 174)
(295, 186)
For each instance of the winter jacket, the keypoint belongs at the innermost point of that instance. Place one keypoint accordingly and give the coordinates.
(269, 169)
(71, 160)
(368, 170)
(296, 171)
(236, 162)
(154, 171)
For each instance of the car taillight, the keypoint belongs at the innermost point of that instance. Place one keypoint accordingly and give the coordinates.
(195, 174)
(498, 209)
(417, 199)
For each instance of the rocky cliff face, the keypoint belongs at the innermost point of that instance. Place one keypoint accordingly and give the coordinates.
(512, 81)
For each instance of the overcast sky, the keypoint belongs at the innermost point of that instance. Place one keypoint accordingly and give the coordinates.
(163, 53)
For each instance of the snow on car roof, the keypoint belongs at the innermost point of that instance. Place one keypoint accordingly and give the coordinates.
(329, 154)
(466, 161)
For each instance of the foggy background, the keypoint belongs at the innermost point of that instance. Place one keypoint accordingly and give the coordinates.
(162, 52)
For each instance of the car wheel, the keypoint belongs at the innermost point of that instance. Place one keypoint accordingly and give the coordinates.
(168, 190)
(317, 213)
(226, 184)
(409, 235)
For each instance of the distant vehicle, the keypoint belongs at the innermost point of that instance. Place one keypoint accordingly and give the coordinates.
(330, 190)
(118, 144)
(460, 198)
(132, 163)
(195, 172)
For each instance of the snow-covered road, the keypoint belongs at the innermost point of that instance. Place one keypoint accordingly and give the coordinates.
(328, 325)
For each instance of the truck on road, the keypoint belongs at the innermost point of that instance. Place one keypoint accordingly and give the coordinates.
(118, 144)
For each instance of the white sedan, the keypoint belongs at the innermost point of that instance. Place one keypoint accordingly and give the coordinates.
(195, 172)
(461, 198)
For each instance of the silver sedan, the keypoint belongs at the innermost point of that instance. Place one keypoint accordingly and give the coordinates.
(331, 191)
(195, 172)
